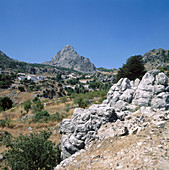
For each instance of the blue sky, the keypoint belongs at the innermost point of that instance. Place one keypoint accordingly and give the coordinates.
(106, 31)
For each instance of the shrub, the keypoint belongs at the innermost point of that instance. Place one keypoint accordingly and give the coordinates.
(56, 117)
(63, 99)
(6, 80)
(81, 102)
(33, 151)
(42, 115)
(37, 106)
(5, 103)
(2, 123)
(21, 88)
(27, 105)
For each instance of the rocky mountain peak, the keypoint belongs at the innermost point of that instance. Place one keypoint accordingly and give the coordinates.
(69, 58)
(67, 48)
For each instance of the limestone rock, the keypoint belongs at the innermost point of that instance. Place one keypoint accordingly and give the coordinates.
(125, 111)
(83, 126)
(69, 58)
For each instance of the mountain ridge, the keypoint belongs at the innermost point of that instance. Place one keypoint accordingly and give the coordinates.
(156, 58)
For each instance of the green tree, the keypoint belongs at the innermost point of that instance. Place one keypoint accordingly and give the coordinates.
(27, 105)
(37, 106)
(81, 102)
(21, 88)
(5, 103)
(43, 115)
(134, 68)
(31, 152)
(58, 77)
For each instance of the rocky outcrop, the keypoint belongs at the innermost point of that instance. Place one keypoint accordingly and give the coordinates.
(108, 78)
(156, 58)
(83, 126)
(69, 58)
(127, 110)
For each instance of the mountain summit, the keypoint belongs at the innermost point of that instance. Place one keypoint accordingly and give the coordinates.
(69, 58)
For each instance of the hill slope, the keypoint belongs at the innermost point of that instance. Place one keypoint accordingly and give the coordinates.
(156, 58)
(69, 58)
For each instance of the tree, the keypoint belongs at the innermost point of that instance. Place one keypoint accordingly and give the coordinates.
(134, 68)
(21, 88)
(44, 115)
(81, 102)
(5, 103)
(31, 152)
(37, 106)
(58, 77)
(27, 105)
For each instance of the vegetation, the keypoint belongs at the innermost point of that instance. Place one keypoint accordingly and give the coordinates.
(21, 88)
(43, 116)
(81, 102)
(106, 70)
(27, 105)
(134, 68)
(73, 81)
(33, 151)
(5, 103)
(37, 105)
(6, 80)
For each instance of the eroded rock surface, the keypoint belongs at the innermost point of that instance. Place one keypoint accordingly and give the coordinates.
(129, 107)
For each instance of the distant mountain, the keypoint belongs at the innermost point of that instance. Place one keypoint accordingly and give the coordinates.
(9, 64)
(156, 58)
(69, 58)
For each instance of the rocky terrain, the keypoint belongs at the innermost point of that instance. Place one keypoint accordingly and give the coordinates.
(156, 58)
(69, 58)
(110, 78)
(129, 130)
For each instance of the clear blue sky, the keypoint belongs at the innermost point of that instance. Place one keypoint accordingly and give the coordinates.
(106, 31)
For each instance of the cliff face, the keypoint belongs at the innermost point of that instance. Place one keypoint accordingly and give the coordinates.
(156, 58)
(69, 58)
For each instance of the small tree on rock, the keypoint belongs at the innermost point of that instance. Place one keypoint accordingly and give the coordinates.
(134, 68)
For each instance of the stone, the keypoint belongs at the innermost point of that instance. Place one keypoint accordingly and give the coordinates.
(125, 111)
(161, 100)
(162, 79)
(127, 96)
(159, 88)
(161, 124)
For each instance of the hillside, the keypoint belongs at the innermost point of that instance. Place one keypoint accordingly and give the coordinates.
(128, 130)
(156, 58)
(7, 63)
(69, 58)
(11, 65)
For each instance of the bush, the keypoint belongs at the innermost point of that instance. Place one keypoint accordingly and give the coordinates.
(31, 152)
(81, 102)
(63, 99)
(42, 115)
(56, 117)
(37, 106)
(21, 88)
(6, 80)
(5, 103)
(27, 105)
